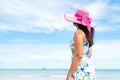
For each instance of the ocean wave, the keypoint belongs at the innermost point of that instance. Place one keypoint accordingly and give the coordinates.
(57, 76)
(26, 76)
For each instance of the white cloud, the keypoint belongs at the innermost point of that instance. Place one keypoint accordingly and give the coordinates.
(105, 15)
(47, 17)
(42, 55)
(114, 19)
(97, 9)
(103, 29)
(114, 7)
(34, 55)
(106, 54)
(44, 17)
(33, 18)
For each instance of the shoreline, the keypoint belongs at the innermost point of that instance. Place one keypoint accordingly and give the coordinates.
(58, 69)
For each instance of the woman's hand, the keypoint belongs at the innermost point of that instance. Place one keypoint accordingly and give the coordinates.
(68, 78)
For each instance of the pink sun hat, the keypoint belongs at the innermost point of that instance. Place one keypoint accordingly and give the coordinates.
(81, 17)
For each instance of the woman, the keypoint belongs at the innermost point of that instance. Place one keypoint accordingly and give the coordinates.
(81, 67)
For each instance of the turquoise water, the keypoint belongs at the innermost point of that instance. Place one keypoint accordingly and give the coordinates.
(52, 74)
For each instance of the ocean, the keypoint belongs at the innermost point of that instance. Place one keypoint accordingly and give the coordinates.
(53, 74)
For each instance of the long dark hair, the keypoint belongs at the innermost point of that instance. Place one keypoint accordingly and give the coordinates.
(89, 35)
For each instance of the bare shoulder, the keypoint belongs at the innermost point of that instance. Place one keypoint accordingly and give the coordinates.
(78, 35)
(78, 32)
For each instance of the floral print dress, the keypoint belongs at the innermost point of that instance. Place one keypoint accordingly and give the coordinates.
(85, 70)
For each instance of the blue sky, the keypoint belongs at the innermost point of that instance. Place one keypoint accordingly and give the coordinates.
(34, 34)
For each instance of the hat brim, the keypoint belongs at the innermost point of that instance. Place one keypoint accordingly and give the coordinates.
(72, 18)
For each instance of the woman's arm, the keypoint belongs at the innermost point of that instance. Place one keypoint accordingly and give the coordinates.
(90, 52)
(78, 41)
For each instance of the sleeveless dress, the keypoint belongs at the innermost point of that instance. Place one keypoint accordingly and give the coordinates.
(85, 69)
